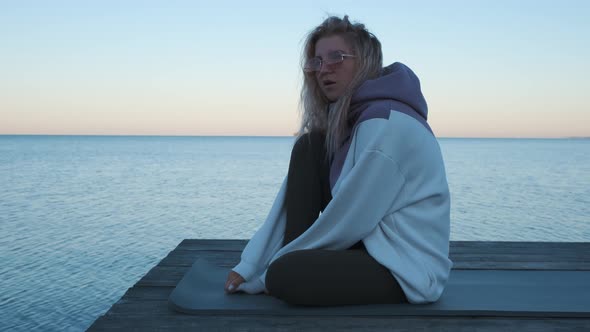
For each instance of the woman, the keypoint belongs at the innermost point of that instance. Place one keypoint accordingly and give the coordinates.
(365, 161)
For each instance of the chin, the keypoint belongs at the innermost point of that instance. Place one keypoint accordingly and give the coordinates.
(332, 98)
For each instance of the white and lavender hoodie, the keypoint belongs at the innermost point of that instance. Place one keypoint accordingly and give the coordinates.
(389, 189)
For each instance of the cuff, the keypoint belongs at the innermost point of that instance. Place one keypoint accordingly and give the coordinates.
(255, 286)
(246, 270)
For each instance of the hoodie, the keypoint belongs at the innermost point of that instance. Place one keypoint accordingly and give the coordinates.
(389, 189)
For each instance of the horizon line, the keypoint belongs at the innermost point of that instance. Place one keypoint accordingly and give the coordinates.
(151, 135)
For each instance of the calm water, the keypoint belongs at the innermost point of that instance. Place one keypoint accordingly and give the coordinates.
(83, 218)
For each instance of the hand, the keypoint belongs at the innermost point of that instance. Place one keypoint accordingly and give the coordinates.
(234, 279)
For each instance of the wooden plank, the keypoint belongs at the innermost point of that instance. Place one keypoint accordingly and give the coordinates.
(163, 276)
(149, 293)
(519, 244)
(239, 244)
(505, 256)
(467, 264)
(184, 258)
(181, 256)
(179, 322)
(494, 246)
(575, 249)
(212, 244)
(516, 258)
(574, 266)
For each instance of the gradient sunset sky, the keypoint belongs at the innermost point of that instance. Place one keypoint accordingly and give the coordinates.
(487, 68)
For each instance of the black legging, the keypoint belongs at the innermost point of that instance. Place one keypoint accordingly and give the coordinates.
(318, 277)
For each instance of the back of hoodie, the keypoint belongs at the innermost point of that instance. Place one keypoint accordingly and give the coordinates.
(389, 190)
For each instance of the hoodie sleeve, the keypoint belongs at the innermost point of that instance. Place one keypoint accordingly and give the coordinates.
(267, 239)
(363, 198)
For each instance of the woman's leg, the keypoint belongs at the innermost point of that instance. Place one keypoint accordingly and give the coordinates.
(317, 277)
(308, 184)
(323, 277)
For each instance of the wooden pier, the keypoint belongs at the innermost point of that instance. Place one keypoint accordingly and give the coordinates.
(144, 307)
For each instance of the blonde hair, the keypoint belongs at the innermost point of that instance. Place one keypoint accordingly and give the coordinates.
(313, 103)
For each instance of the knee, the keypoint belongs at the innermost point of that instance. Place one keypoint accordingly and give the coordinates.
(308, 142)
(275, 277)
(316, 137)
(278, 274)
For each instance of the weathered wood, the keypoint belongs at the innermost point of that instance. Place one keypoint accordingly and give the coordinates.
(486, 265)
(179, 256)
(465, 255)
(467, 261)
(238, 244)
(144, 307)
(322, 324)
(148, 293)
(211, 244)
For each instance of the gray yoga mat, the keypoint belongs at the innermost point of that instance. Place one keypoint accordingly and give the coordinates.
(468, 292)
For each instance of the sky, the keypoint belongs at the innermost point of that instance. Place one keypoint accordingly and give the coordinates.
(497, 68)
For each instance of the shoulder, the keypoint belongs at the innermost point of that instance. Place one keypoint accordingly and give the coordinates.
(385, 109)
(397, 132)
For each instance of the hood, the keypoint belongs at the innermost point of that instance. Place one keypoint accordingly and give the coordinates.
(396, 82)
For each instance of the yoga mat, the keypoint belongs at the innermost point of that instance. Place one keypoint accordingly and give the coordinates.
(468, 292)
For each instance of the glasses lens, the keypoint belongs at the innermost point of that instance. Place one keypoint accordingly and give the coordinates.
(334, 57)
(313, 64)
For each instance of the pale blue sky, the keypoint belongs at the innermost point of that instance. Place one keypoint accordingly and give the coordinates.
(487, 68)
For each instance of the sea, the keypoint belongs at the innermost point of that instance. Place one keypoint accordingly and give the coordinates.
(83, 218)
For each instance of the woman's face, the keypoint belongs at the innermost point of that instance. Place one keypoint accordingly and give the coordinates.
(334, 78)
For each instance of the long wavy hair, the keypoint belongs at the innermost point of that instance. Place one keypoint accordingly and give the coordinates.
(313, 104)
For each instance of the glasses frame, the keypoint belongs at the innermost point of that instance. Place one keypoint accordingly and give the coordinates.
(322, 61)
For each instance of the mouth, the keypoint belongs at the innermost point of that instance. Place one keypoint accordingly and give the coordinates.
(328, 83)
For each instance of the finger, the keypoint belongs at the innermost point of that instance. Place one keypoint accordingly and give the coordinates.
(231, 289)
(230, 282)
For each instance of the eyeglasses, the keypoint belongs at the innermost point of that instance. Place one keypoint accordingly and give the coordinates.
(315, 63)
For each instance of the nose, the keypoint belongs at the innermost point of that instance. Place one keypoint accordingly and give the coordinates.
(324, 68)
